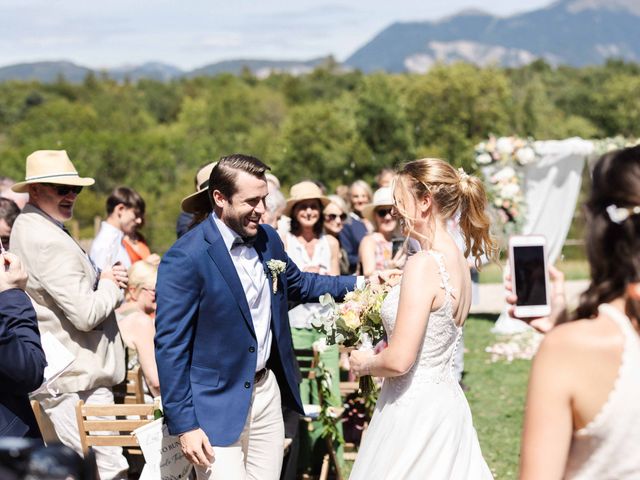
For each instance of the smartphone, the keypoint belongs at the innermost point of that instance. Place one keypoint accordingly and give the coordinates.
(396, 245)
(529, 274)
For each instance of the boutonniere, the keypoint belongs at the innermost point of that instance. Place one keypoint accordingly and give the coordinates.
(276, 267)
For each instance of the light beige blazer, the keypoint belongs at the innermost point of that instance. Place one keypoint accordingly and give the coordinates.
(61, 280)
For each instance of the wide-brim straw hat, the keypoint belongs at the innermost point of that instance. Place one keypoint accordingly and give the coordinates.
(51, 166)
(199, 201)
(383, 197)
(304, 191)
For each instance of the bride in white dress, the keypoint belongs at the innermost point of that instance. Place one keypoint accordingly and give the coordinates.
(422, 426)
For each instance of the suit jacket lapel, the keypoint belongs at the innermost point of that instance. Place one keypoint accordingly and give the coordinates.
(264, 253)
(218, 252)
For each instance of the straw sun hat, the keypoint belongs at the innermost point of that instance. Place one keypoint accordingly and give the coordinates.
(304, 191)
(51, 166)
(199, 201)
(383, 197)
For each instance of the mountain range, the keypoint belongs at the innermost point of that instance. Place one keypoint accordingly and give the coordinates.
(568, 32)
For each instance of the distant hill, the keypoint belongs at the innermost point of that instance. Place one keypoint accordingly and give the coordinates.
(153, 70)
(572, 32)
(44, 71)
(260, 68)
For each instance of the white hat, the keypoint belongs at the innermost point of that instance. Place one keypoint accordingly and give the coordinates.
(51, 166)
(383, 197)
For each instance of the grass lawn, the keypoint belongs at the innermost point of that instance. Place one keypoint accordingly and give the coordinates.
(496, 396)
(573, 270)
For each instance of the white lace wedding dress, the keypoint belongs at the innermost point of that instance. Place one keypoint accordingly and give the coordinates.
(422, 427)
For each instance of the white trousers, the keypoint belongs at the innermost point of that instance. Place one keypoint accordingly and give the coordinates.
(61, 410)
(257, 455)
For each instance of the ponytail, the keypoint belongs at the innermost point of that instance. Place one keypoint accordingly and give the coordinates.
(474, 220)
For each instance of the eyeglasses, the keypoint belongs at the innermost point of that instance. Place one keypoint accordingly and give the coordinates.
(332, 217)
(383, 212)
(63, 190)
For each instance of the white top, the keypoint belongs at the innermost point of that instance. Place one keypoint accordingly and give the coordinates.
(107, 247)
(256, 289)
(608, 446)
(301, 315)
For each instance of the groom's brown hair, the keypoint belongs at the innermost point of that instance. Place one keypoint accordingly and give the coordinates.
(224, 174)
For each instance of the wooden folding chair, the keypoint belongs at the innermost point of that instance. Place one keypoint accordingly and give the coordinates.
(115, 430)
(307, 362)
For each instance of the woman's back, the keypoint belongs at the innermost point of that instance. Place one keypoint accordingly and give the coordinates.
(606, 399)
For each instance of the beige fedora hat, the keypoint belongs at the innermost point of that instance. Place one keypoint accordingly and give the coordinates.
(51, 166)
(383, 197)
(304, 191)
(199, 201)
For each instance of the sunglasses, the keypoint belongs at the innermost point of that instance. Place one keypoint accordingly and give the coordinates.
(331, 217)
(63, 190)
(383, 212)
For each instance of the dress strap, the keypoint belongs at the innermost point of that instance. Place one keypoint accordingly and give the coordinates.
(620, 318)
(444, 275)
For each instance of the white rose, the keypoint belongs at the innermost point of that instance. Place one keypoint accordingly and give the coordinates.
(320, 345)
(504, 174)
(504, 146)
(510, 190)
(481, 147)
(484, 159)
(525, 155)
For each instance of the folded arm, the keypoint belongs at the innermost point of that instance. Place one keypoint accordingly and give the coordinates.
(64, 277)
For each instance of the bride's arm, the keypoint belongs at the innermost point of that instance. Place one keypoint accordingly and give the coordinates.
(420, 284)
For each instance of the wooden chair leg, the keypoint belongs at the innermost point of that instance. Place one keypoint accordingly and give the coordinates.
(324, 471)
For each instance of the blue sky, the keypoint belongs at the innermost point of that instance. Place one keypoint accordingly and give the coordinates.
(192, 33)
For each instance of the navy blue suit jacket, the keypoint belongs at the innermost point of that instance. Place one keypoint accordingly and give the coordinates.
(206, 347)
(22, 363)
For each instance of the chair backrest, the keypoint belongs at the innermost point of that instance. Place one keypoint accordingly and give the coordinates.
(135, 387)
(111, 425)
(307, 361)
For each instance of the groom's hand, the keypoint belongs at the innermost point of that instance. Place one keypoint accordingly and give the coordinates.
(196, 447)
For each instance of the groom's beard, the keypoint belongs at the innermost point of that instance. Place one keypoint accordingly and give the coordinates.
(237, 225)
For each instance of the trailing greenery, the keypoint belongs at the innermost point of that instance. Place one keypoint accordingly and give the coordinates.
(329, 125)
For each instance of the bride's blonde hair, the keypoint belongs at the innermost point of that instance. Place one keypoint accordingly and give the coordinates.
(451, 191)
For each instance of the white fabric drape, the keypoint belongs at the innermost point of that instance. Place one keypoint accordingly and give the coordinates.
(551, 188)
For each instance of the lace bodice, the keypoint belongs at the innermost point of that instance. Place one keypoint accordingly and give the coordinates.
(435, 358)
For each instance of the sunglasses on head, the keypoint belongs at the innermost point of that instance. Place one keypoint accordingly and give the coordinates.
(63, 190)
(383, 212)
(331, 217)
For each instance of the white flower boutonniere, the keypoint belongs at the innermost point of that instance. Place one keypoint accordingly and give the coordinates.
(276, 267)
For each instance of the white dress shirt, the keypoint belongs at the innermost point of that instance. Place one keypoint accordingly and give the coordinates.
(256, 287)
(107, 247)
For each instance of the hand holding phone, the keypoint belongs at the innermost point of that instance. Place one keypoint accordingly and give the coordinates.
(529, 275)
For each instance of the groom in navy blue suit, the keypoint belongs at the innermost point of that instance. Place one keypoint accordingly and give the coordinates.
(223, 345)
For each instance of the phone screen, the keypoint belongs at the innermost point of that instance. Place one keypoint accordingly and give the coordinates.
(528, 262)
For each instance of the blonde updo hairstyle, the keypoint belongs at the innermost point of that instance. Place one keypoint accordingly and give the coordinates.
(141, 274)
(452, 191)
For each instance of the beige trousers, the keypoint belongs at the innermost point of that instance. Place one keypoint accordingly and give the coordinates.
(61, 410)
(257, 455)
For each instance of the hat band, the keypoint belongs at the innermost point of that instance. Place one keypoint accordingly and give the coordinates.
(40, 177)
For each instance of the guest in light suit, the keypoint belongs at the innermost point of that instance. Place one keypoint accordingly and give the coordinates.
(223, 345)
(73, 300)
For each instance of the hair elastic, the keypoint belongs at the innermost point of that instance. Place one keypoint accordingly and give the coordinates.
(620, 214)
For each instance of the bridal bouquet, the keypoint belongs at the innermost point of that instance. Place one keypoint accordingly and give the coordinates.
(355, 322)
